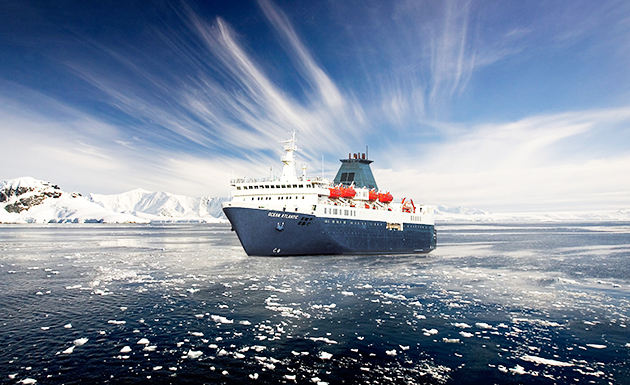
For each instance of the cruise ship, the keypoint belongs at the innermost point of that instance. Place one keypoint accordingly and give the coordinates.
(292, 214)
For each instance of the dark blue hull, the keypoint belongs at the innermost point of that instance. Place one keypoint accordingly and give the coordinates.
(277, 233)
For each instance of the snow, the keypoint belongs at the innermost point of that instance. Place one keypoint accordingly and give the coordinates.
(464, 215)
(29, 200)
(50, 204)
(162, 206)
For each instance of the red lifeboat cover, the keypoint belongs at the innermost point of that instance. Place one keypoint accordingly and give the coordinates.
(335, 193)
(348, 192)
(373, 195)
(385, 198)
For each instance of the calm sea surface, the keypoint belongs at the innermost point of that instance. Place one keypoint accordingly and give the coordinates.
(504, 304)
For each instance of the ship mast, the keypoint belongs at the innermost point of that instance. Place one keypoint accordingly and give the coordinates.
(288, 170)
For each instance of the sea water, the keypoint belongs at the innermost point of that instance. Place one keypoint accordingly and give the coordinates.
(504, 304)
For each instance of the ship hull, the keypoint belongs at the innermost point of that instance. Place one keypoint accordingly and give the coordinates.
(277, 233)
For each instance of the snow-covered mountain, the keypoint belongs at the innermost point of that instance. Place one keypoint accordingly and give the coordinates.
(162, 206)
(445, 214)
(28, 200)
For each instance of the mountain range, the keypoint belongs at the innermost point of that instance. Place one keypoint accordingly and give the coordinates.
(29, 200)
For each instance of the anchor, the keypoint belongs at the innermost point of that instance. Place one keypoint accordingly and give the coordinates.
(280, 226)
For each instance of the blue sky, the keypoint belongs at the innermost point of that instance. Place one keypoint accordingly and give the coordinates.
(504, 106)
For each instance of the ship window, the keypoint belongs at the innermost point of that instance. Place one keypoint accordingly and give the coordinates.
(301, 186)
(238, 187)
(302, 196)
(347, 177)
(266, 186)
(256, 187)
(294, 186)
(345, 212)
(283, 186)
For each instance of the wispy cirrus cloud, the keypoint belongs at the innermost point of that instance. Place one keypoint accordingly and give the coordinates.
(548, 162)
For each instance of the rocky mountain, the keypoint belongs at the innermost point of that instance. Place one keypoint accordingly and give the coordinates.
(28, 200)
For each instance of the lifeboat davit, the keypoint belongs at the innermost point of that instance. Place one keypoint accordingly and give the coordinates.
(334, 193)
(348, 192)
(373, 195)
(385, 198)
(408, 206)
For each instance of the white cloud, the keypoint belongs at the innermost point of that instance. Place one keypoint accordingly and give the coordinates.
(520, 165)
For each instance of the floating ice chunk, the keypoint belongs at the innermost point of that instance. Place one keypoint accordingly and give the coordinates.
(544, 361)
(628, 344)
(325, 355)
(69, 350)
(502, 368)
(125, 349)
(290, 377)
(404, 347)
(253, 376)
(28, 381)
(316, 379)
(465, 334)
(150, 348)
(225, 372)
(238, 355)
(199, 315)
(450, 340)
(323, 339)
(213, 346)
(12, 376)
(143, 341)
(429, 332)
(246, 323)
(196, 334)
(360, 338)
(596, 346)
(45, 327)
(391, 352)
(365, 369)
(347, 293)
(39, 293)
(483, 325)
(80, 341)
(194, 354)
(68, 326)
(114, 322)
(518, 369)
(222, 352)
(461, 325)
(220, 319)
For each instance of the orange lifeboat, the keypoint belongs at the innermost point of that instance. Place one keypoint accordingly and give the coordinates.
(334, 193)
(373, 195)
(385, 198)
(348, 192)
